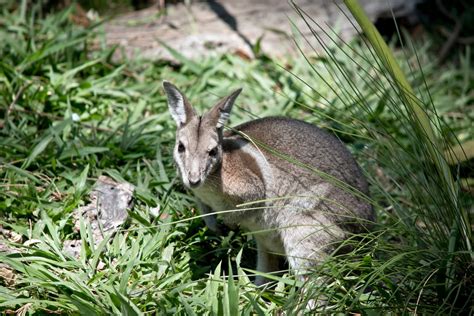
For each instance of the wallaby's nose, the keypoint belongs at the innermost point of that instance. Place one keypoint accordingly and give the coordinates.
(194, 174)
(194, 182)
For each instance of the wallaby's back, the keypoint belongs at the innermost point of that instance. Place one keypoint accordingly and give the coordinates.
(304, 156)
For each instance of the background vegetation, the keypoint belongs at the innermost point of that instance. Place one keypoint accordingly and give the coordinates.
(69, 113)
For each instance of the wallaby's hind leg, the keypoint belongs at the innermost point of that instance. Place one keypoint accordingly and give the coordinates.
(306, 245)
(267, 262)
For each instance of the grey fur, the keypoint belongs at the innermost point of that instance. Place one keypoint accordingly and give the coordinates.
(304, 212)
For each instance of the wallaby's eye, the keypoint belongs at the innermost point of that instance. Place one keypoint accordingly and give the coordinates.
(181, 148)
(213, 152)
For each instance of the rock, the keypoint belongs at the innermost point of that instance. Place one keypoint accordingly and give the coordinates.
(216, 27)
(6, 237)
(7, 276)
(106, 211)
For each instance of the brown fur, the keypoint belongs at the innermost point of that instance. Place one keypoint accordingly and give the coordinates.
(302, 180)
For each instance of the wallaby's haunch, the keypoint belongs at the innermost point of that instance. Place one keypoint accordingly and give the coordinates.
(304, 177)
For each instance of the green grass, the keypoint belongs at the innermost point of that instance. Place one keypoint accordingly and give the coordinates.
(171, 264)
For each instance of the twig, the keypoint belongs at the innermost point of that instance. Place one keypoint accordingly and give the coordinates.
(17, 96)
(453, 37)
(15, 99)
(468, 40)
(445, 11)
(450, 42)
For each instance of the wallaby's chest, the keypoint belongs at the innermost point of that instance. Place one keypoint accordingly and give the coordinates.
(214, 199)
(227, 204)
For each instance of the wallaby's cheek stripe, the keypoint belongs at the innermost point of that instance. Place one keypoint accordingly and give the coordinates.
(263, 168)
(179, 162)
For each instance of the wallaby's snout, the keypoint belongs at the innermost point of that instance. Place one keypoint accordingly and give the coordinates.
(194, 183)
(194, 174)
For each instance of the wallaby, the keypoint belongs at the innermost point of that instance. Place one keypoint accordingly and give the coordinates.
(309, 191)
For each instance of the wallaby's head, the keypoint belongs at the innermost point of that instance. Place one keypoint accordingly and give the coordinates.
(198, 149)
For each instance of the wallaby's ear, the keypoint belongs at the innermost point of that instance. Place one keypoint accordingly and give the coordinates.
(219, 114)
(180, 109)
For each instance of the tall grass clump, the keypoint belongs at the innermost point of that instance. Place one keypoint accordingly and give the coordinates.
(420, 257)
